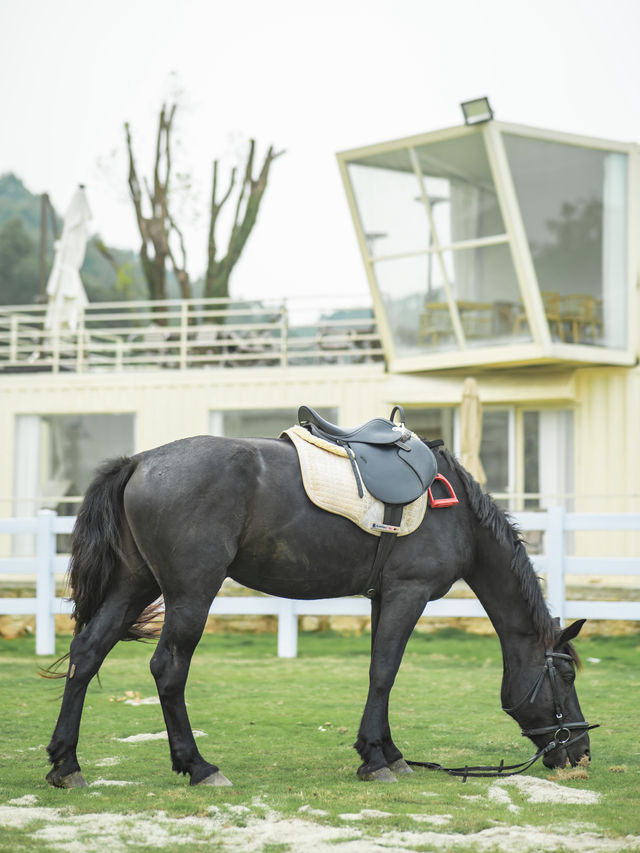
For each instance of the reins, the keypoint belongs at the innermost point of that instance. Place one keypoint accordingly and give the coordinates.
(561, 731)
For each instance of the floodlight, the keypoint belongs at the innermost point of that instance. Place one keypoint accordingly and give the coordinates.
(476, 111)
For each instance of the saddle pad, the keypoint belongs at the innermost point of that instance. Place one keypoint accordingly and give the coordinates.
(328, 479)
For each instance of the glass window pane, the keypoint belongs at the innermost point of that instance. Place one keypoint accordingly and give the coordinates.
(458, 181)
(573, 202)
(393, 216)
(259, 423)
(407, 286)
(74, 445)
(56, 456)
(431, 423)
(484, 284)
(531, 428)
(494, 449)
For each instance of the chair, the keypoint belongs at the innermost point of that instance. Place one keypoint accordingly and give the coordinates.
(435, 321)
(551, 304)
(578, 311)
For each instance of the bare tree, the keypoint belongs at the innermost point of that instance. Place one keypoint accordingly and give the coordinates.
(158, 229)
(252, 189)
(162, 239)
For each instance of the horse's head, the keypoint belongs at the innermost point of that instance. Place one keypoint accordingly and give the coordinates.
(549, 712)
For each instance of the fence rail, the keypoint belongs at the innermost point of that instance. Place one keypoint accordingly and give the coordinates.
(555, 564)
(190, 333)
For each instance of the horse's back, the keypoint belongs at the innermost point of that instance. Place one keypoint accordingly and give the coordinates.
(187, 494)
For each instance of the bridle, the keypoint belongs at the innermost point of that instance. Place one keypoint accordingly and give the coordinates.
(561, 729)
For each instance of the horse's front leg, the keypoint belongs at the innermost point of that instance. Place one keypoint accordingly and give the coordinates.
(394, 615)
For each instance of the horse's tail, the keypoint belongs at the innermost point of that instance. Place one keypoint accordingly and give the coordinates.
(97, 546)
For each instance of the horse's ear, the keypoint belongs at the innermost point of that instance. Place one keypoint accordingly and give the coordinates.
(569, 633)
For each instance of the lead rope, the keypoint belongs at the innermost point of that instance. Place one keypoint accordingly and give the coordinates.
(493, 771)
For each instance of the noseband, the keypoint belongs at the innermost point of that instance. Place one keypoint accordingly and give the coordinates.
(561, 729)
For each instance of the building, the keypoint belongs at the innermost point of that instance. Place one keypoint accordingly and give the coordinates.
(501, 252)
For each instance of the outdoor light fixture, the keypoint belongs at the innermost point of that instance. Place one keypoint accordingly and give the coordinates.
(476, 111)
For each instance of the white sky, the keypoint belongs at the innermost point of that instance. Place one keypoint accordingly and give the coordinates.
(311, 78)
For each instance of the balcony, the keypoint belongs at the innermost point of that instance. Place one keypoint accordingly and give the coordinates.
(496, 245)
(191, 334)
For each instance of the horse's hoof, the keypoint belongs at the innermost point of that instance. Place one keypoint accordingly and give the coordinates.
(400, 767)
(384, 774)
(218, 779)
(73, 780)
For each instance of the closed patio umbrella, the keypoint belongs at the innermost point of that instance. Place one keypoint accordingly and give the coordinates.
(471, 430)
(65, 293)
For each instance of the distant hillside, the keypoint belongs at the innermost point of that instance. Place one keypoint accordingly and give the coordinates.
(104, 280)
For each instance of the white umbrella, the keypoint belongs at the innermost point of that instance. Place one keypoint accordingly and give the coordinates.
(65, 292)
(471, 430)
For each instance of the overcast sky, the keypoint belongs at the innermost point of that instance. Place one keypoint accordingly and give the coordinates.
(310, 78)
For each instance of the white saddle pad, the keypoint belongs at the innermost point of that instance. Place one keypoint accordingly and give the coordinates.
(330, 484)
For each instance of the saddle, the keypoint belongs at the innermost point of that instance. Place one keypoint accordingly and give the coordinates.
(395, 466)
(393, 463)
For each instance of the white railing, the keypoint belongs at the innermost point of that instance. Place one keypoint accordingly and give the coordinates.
(554, 564)
(191, 333)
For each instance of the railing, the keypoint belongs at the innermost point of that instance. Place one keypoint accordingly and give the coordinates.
(194, 333)
(554, 564)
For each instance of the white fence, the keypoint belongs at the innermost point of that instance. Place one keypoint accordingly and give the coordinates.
(554, 564)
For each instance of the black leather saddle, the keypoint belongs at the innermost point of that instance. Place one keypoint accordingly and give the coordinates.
(395, 465)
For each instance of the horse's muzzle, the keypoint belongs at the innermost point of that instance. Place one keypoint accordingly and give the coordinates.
(573, 752)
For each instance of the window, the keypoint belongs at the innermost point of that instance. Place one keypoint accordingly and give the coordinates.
(432, 423)
(55, 457)
(528, 457)
(436, 238)
(496, 452)
(258, 423)
(453, 272)
(573, 202)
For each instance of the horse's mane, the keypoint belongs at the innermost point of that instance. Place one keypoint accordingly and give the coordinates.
(507, 534)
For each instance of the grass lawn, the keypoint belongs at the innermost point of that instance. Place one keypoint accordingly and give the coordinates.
(282, 731)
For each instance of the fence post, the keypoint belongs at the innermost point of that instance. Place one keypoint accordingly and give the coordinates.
(556, 592)
(45, 584)
(287, 629)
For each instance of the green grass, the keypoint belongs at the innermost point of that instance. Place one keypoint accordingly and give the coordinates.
(282, 731)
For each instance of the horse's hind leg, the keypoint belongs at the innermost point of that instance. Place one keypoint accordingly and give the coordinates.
(116, 615)
(183, 626)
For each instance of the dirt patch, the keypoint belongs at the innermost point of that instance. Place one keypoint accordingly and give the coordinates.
(144, 736)
(79, 833)
(544, 791)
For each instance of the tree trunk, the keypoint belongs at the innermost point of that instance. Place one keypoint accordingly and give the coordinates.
(157, 229)
(246, 212)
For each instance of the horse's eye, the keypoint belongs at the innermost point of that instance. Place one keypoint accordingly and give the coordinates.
(568, 675)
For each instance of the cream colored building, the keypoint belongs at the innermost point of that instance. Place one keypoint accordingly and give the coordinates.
(505, 253)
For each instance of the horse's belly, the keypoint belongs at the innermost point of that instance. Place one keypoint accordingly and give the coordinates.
(317, 557)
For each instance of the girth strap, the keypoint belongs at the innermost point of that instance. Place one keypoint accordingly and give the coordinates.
(392, 518)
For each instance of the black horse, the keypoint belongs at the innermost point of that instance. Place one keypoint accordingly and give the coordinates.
(177, 520)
